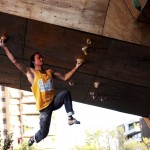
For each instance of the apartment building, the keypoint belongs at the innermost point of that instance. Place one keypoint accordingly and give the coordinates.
(20, 117)
(136, 129)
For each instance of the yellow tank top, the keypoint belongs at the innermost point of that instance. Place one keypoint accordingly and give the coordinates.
(43, 89)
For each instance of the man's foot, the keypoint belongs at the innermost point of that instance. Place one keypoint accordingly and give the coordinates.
(31, 141)
(72, 121)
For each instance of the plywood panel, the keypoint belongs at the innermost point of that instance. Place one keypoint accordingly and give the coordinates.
(14, 27)
(143, 3)
(120, 24)
(81, 86)
(144, 15)
(9, 75)
(123, 96)
(122, 67)
(115, 21)
(61, 46)
(127, 63)
(145, 28)
(134, 12)
(84, 15)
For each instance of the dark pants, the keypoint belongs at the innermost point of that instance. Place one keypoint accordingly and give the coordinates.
(63, 97)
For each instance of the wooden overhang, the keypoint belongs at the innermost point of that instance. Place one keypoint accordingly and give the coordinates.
(119, 56)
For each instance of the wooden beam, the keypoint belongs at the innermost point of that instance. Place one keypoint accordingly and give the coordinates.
(102, 17)
(122, 67)
(83, 15)
(147, 121)
(144, 15)
(135, 13)
(143, 3)
(120, 23)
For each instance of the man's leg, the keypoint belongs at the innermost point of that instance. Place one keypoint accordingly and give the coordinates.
(65, 98)
(45, 119)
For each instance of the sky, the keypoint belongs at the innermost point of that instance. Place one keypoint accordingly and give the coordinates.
(91, 118)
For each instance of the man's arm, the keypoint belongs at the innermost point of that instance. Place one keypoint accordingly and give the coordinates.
(19, 65)
(67, 75)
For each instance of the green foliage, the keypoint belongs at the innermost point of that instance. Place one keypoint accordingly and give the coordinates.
(93, 138)
(120, 137)
(24, 146)
(7, 142)
(146, 141)
(110, 140)
(98, 140)
(135, 145)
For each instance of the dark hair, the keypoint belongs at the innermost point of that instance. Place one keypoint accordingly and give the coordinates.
(32, 59)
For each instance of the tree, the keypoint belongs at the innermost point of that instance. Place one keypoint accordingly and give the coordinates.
(112, 140)
(98, 140)
(120, 137)
(7, 142)
(93, 138)
(146, 141)
(135, 145)
(24, 146)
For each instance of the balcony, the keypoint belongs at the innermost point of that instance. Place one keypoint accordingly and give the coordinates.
(132, 131)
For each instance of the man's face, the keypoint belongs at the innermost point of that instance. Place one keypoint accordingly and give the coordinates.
(38, 60)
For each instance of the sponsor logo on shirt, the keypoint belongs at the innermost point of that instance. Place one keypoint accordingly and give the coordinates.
(48, 86)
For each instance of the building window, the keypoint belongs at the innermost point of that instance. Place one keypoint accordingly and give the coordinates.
(4, 120)
(131, 126)
(2, 88)
(138, 124)
(4, 110)
(138, 135)
(4, 132)
(3, 99)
